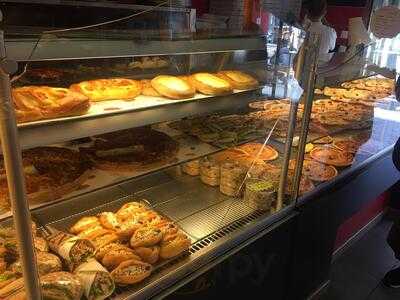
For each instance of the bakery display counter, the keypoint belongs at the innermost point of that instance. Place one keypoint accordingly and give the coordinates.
(107, 116)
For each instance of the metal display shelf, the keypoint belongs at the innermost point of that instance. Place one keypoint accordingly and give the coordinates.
(215, 223)
(67, 129)
(49, 47)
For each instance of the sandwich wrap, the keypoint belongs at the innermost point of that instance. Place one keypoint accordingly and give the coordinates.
(72, 249)
(96, 280)
(55, 286)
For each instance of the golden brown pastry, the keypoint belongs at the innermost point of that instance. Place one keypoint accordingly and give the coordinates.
(93, 232)
(173, 245)
(147, 89)
(129, 210)
(109, 221)
(109, 89)
(239, 80)
(105, 239)
(148, 254)
(131, 271)
(128, 228)
(101, 251)
(114, 257)
(146, 237)
(168, 229)
(33, 103)
(210, 84)
(173, 87)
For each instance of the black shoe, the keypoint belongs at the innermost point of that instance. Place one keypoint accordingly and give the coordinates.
(392, 279)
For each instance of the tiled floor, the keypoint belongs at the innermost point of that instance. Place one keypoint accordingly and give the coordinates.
(356, 275)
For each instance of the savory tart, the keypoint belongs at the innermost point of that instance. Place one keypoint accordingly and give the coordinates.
(258, 150)
(316, 171)
(351, 146)
(173, 87)
(239, 80)
(332, 156)
(131, 149)
(34, 103)
(109, 89)
(210, 84)
(50, 173)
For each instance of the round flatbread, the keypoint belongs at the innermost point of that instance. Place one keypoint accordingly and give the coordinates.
(332, 156)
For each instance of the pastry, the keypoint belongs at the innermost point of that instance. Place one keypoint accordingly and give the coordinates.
(44, 74)
(84, 224)
(115, 256)
(173, 245)
(148, 254)
(146, 237)
(109, 89)
(50, 173)
(105, 239)
(192, 167)
(131, 150)
(260, 151)
(316, 171)
(210, 84)
(131, 271)
(324, 140)
(173, 87)
(239, 80)
(332, 156)
(109, 220)
(129, 210)
(351, 146)
(100, 252)
(147, 89)
(33, 103)
(209, 172)
(129, 227)
(232, 177)
(93, 232)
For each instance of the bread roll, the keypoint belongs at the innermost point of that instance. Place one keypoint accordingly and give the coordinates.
(173, 87)
(210, 84)
(239, 80)
(131, 271)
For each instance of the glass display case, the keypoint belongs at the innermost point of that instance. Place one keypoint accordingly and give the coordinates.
(165, 144)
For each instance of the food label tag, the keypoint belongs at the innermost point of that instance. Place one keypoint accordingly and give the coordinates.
(385, 22)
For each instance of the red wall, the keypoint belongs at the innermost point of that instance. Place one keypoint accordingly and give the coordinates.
(338, 17)
(202, 6)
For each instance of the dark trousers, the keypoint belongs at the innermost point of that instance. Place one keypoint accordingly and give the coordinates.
(394, 238)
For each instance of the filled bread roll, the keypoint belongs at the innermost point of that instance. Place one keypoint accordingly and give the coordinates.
(210, 84)
(173, 87)
(239, 80)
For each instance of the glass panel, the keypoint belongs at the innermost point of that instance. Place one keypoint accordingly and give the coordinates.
(355, 113)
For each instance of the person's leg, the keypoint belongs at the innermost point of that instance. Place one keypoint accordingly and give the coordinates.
(392, 278)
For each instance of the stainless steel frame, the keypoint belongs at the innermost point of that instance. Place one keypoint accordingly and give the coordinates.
(52, 48)
(311, 47)
(15, 176)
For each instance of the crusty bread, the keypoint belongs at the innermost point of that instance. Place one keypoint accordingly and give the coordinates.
(210, 84)
(174, 245)
(33, 103)
(146, 237)
(83, 224)
(173, 87)
(131, 271)
(109, 89)
(148, 254)
(114, 257)
(239, 80)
